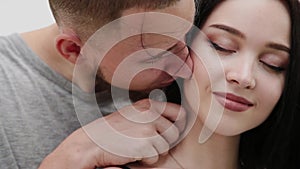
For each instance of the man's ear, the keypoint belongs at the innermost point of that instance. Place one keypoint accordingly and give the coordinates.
(69, 46)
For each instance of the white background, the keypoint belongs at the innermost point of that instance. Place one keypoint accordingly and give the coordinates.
(24, 15)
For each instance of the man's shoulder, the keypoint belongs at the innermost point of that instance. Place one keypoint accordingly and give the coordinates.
(7, 40)
(10, 46)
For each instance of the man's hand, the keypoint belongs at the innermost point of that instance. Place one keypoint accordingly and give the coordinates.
(140, 132)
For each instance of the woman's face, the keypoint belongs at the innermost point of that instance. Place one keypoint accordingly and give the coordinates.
(240, 64)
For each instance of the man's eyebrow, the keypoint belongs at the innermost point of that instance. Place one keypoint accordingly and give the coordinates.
(229, 30)
(278, 46)
(166, 51)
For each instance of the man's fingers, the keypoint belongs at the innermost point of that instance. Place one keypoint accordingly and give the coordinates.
(160, 144)
(150, 160)
(171, 111)
(167, 130)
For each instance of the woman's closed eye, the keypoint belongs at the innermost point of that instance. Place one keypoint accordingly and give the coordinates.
(275, 68)
(221, 49)
(274, 62)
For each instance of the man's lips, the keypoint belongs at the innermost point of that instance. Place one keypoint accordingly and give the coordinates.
(233, 102)
(167, 81)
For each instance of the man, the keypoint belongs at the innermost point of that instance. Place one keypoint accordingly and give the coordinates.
(38, 121)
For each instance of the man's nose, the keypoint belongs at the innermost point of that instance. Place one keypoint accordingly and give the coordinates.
(185, 69)
(180, 64)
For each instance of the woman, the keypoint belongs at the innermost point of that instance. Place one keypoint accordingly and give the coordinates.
(256, 88)
(238, 31)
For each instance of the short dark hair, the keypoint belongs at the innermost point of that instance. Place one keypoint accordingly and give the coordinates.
(86, 16)
(271, 145)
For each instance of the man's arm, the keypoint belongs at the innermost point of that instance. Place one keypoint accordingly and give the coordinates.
(140, 132)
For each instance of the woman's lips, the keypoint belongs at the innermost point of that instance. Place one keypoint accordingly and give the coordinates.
(233, 102)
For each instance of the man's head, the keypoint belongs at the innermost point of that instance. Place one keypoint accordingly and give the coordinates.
(86, 16)
(79, 20)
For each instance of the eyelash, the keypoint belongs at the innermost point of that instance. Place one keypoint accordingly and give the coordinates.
(221, 49)
(166, 53)
(276, 69)
(153, 59)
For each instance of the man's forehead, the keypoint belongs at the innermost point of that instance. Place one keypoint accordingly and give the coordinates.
(137, 24)
(155, 23)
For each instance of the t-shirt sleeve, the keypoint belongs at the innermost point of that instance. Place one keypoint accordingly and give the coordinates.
(7, 160)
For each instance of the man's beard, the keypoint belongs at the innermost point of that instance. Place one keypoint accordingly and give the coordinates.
(101, 85)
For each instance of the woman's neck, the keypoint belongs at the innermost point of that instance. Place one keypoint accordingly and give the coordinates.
(217, 152)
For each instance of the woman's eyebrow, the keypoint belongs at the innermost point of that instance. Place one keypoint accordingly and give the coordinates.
(236, 32)
(278, 46)
(229, 30)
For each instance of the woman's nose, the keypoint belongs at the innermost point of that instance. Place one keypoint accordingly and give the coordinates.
(241, 74)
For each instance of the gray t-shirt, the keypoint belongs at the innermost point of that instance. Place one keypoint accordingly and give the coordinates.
(36, 106)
